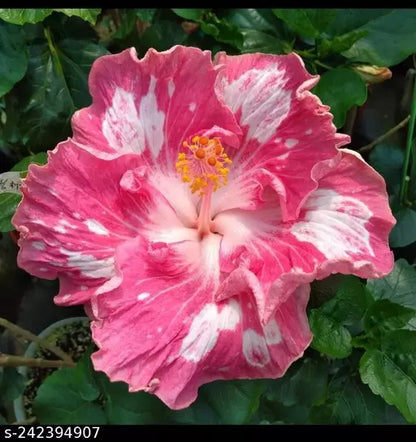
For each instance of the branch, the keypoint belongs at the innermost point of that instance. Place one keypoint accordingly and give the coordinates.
(18, 361)
(381, 138)
(18, 331)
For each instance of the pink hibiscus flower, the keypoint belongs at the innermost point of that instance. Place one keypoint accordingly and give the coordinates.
(190, 210)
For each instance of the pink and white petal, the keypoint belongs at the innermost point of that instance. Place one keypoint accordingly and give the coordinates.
(71, 219)
(160, 323)
(150, 106)
(289, 140)
(343, 227)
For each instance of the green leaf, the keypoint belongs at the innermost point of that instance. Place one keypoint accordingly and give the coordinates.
(162, 35)
(222, 402)
(391, 38)
(190, 14)
(404, 232)
(23, 165)
(67, 395)
(385, 316)
(124, 408)
(387, 377)
(388, 161)
(295, 387)
(398, 286)
(8, 205)
(339, 43)
(222, 30)
(145, 15)
(307, 22)
(258, 41)
(22, 16)
(54, 87)
(234, 402)
(341, 88)
(13, 56)
(12, 384)
(329, 336)
(89, 15)
(255, 19)
(348, 401)
(29, 15)
(347, 20)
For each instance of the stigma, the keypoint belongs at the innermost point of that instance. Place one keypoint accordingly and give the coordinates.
(203, 164)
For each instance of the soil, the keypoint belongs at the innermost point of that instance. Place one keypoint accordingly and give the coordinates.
(74, 339)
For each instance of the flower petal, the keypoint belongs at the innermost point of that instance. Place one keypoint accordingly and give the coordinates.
(343, 227)
(150, 106)
(289, 140)
(71, 219)
(161, 332)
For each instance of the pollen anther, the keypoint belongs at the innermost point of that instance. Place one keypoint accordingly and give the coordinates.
(203, 164)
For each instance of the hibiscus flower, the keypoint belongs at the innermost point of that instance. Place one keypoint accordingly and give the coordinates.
(191, 209)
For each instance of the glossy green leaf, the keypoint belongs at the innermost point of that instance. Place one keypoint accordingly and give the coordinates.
(67, 396)
(145, 15)
(124, 408)
(384, 316)
(339, 43)
(329, 336)
(348, 402)
(13, 56)
(190, 14)
(54, 87)
(223, 31)
(341, 89)
(398, 286)
(8, 205)
(12, 384)
(89, 15)
(346, 20)
(23, 165)
(389, 377)
(295, 387)
(234, 402)
(307, 22)
(32, 15)
(388, 161)
(404, 232)
(22, 16)
(391, 38)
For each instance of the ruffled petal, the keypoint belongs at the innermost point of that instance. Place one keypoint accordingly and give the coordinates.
(289, 141)
(150, 106)
(343, 227)
(161, 332)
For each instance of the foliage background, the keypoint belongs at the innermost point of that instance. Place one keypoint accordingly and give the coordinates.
(361, 366)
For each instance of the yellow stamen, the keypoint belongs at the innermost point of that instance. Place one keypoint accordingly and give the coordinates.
(204, 164)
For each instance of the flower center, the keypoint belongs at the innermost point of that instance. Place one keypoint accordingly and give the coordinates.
(203, 166)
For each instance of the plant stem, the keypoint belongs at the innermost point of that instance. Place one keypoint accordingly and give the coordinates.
(381, 138)
(403, 186)
(18, 361)
(18, 331)
(29, 421)
(323, 65)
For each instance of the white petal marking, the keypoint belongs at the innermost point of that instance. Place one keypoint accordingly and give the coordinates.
(39, 245)
(257, 93)
(95, 227)
(335, 225)
(272, 333)
(202, 335)
(121, 126)
(152, 119)
(143, 296)
(255, 348)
